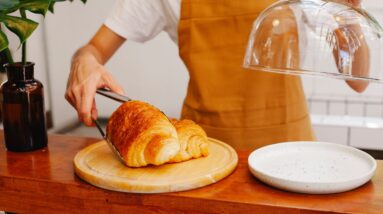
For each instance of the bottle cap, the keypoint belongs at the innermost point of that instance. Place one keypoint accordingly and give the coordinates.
(19, 72)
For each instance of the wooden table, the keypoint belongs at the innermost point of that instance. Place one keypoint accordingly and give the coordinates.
(44, 182)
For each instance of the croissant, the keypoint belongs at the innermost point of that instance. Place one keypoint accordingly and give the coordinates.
(142, 134)
(193, 140)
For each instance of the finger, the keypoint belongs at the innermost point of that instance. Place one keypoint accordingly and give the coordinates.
(83, 115)
(94, 112)
(76, 100)
(70, 98)
(85, 101)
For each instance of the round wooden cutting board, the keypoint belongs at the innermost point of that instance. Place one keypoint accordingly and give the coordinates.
(97, 165)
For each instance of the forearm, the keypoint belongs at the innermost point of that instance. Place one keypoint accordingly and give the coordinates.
(352, 55)
(101, 47)
(89, 52)
(350, 40)
(361, 59)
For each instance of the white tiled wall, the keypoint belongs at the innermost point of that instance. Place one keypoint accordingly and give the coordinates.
(334, 134)
(360, 137)
(349, 119)
(367, 138)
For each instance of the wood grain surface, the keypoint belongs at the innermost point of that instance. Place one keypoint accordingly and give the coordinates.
(44, 181)
(98, 165)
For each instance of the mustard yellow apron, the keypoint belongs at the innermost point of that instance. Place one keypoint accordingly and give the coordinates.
(246, 109)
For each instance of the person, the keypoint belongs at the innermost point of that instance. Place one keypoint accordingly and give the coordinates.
(245, 109)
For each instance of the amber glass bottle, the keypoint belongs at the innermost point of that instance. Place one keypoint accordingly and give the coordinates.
(23, 109)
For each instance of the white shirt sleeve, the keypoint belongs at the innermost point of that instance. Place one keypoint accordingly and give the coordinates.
(142, 20)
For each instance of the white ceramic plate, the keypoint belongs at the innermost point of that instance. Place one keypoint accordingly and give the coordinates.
(312, 167)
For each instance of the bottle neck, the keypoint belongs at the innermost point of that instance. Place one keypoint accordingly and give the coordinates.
(18, 72)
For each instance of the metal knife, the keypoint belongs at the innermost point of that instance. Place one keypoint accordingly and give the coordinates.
(112, 95)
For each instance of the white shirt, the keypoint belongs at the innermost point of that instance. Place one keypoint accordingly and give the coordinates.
(142, 20)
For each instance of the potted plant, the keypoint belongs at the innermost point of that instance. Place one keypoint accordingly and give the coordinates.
(21, 95)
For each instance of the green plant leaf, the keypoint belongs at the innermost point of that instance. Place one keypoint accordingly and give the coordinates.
(51, 6)
(3, 41)
(35, 6)
(23, 28)
(7, 5)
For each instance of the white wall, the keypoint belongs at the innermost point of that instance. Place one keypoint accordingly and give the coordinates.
(151, 72)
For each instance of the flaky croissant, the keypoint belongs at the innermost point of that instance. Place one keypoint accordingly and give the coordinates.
(193, 140)
(142, 134)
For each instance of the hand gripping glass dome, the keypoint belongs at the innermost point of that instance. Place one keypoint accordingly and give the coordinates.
(316, 37)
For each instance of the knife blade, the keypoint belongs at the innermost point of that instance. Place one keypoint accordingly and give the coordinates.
(110, 144)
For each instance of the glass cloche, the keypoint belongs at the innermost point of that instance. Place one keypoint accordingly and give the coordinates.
(316, 37)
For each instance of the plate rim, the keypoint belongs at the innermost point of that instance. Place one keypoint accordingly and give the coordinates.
(368, 174)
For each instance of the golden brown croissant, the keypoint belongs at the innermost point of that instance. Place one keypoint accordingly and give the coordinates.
(193, 140)
(142, 134)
